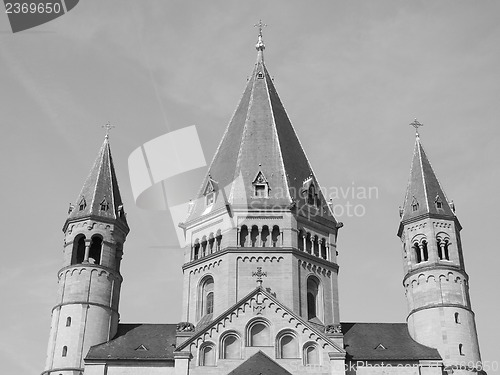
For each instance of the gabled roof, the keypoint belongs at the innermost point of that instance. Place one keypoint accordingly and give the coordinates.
(100, 196)
(139, 342)
(424, 190)
(241, 302)
(259, 363)
(259, 138)
(383, 341)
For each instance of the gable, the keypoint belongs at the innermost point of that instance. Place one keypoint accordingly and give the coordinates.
(259, 363)
(258, 322)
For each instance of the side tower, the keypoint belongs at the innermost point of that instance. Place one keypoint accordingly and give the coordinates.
(436, 284)
(86, 312)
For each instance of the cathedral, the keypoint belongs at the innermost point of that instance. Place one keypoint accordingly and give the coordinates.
(260, 272)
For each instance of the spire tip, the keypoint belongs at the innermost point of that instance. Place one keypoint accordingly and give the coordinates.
(416, 125)
(260, 46)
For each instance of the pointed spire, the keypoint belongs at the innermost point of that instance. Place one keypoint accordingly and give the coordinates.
(261, 141)
(100, 196)
(424, 194)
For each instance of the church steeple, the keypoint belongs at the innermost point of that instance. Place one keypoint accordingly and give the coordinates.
(436, 284)
(90, 279)
(424, 194)
(100, 196)
(260, 143)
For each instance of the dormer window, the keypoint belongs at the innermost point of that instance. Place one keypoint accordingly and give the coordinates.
(82, 204)
(311, 195)
(260, 191)
(210, 199)
(414, 204)
(210, 191)
(438, 202)
(104, 205)
(260, 75)
(260, 186)
(310, 192)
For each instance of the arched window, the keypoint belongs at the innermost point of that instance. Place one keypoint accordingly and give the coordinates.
(313, 297)
(275, 235)
(95, 250)
(300, 240)
(230, 346)
(210, 303)
(418, 256)
(68, 321)
(264, 236)
(259, 333)
(308, 243)
(287, 345)
(211, 241)
(457, 318)
(118, 255)
(316, 245)
(311, 354)
(425, 251)
(64, 351)
(204, 246)
(196, 249)
(323, 248)
(461, 349)
(207, 354)
(218, 240)
(254, 235)
(78, 249)
(243, 235)
(446, 249)
(206, 296)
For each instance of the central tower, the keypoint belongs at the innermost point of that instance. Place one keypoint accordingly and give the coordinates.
(260, 218)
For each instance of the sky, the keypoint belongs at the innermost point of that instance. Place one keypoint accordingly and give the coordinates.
(351, 74)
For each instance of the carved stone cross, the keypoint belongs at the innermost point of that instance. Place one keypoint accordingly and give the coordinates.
(259, 274)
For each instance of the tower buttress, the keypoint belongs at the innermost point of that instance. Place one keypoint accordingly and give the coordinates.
(436, 283)
(86, 312)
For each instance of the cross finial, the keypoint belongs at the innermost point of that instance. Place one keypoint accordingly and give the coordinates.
(108, 127)
(260, 46)
(416, 125)
(260, 25)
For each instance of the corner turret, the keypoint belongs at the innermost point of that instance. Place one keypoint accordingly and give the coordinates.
(436, 284)
(86, 312)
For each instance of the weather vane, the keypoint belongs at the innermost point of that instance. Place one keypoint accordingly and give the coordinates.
(108, 127)
(416, 125)
(260, 25)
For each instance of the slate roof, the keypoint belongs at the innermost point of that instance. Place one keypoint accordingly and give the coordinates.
(366, 341)
(137, 342)
(259, 139)
(362, 341)
(101, 186)
(424, 189)
(259, 363)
